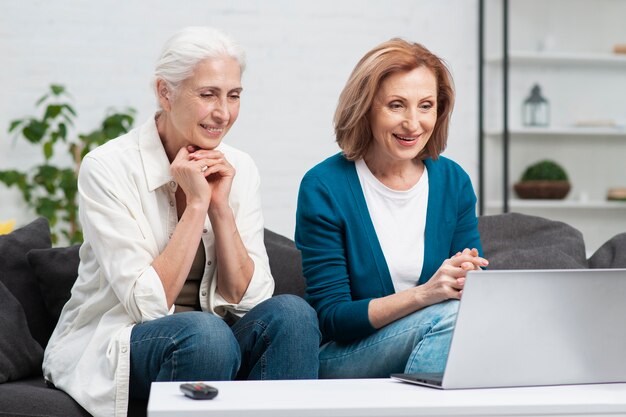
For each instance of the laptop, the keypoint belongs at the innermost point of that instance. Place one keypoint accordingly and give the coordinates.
(520, 328)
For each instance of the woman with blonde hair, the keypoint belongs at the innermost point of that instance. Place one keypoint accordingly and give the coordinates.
(387, 228)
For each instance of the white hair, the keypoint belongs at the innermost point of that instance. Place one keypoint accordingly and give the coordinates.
(188, 47)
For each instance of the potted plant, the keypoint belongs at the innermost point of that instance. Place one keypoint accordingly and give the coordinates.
(48, 188)
(543, 179)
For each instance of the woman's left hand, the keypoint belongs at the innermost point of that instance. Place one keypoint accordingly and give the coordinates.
(219, 174)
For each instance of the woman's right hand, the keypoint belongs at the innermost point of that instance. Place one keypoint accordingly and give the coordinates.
(448, 281)
(190, 176)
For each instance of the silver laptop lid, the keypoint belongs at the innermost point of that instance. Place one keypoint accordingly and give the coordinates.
(539, 327)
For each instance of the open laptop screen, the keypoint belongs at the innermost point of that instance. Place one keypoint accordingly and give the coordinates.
(539, 327)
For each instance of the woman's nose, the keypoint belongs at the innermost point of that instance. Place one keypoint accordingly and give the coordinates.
(411, 121)
(220, 112)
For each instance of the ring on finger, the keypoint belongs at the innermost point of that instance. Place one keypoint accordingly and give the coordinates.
(204, 168)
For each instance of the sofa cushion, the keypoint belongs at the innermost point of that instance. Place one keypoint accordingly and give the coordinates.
(610, 255)
(20, 354)
(32, 397)
(520, 241)
(56, 270)
(285, 263)
(17, 275)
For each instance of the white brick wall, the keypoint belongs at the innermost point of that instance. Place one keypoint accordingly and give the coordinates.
(299, 57)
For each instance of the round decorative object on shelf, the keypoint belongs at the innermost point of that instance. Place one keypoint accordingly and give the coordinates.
(542, 189)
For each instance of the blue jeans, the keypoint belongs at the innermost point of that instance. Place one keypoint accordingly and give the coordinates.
(418, 342)
(277, 339)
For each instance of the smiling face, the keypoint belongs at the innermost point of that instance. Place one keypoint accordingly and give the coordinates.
(402, 116)
(204, 107)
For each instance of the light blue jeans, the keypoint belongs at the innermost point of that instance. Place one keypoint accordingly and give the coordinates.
(277, 339)
(418, 342)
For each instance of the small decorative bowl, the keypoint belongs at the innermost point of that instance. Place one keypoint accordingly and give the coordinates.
(542, 189)
(616, 194)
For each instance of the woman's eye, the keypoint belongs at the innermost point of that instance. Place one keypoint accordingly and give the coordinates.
(426, 106)
(394, 105)
(234, 97)
(206, 95)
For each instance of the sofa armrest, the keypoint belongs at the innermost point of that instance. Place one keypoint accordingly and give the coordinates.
(610, 255)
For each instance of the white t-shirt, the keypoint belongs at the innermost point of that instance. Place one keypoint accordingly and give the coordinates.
(399, 218)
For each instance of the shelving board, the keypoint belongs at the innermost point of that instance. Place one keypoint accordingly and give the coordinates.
(567, 58)
(563, 131)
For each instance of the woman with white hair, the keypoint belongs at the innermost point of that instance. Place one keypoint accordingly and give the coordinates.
(174, 281)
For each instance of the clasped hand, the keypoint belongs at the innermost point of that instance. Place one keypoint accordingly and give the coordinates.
(205, 176)
(449, 279)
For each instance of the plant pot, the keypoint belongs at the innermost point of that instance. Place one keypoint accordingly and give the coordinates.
(541, 189)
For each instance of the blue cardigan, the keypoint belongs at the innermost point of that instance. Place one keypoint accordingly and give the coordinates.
(342, 260)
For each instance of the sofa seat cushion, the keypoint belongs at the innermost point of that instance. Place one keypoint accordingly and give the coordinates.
(520, 241)
(17, 275)
(32, 397)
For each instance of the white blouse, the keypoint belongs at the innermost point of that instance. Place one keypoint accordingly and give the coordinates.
(128, 213)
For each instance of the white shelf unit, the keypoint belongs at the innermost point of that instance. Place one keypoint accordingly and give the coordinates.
(585, 85)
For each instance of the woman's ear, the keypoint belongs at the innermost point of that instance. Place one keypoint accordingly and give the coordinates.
(163, 94)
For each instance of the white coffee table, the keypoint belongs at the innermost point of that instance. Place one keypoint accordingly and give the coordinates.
(384, 397)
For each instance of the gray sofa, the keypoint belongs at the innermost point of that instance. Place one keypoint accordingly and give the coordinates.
(35, 282)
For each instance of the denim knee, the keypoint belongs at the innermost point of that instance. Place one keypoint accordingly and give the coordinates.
(444, 313)
(430, 350)
(206, 343)
(291, 313)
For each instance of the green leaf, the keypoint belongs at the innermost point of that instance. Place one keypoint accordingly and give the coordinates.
(57, 89)
(68, 119)
(34, 130)
(52, 111)
(48, 150)
(11, 177)
(69, 185)
(112, 126)
(69, 108)
(47, 176)
(42, 99)
(62, 131)
(77, 237)
(47, 207)
(14, 125)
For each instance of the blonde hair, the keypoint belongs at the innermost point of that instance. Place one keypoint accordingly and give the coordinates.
(352, 127)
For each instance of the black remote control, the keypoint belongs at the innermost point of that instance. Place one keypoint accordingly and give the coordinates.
(198, 390)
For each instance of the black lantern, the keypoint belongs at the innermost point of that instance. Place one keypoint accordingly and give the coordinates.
(536, 110)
